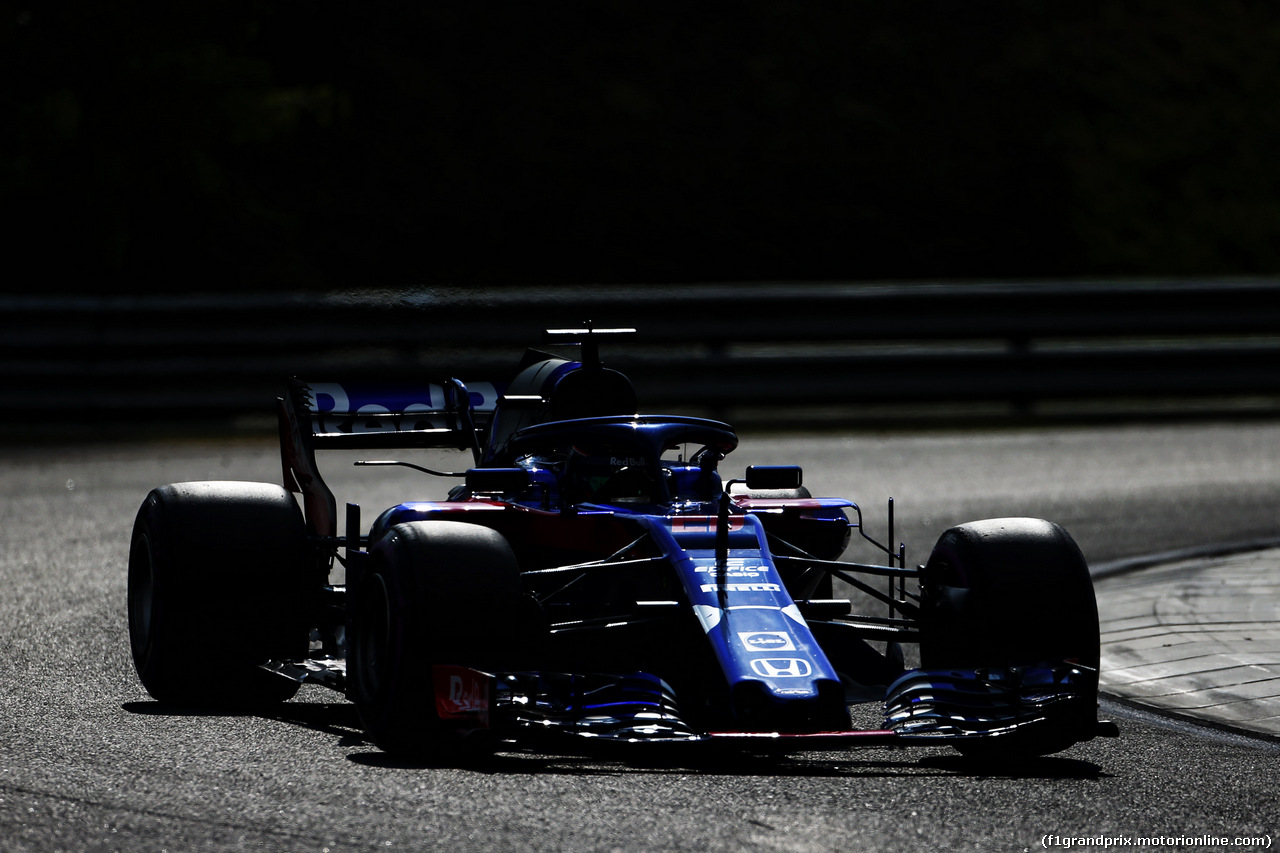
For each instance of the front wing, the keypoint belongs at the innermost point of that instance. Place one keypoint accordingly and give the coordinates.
(575, 711)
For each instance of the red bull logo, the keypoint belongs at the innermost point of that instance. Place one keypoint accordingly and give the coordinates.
(461, 694)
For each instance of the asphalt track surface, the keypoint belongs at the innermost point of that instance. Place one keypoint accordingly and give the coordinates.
(88, 762)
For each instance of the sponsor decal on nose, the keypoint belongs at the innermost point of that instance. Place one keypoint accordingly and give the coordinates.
(782, 667)
(767, 641)
(741, 587)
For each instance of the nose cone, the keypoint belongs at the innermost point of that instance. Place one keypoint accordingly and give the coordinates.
(816, 705)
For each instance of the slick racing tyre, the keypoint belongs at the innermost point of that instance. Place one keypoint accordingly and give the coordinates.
(218, 582)
(770, 494)
(826, 541)
(1011, 592)
(436, 592)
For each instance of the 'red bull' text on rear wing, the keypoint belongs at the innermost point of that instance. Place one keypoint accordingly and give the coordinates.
(356, 415)
(361, 415)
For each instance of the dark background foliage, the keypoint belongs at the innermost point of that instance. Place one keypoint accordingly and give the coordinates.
(237, 145)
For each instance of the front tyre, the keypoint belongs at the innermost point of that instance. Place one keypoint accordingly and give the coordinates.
(218, 583)
(436, 592)
(1013, 592)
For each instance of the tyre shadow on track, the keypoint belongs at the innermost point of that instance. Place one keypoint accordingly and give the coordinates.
(938, 766)
(340, 720)
(333, 718)
(724, 763)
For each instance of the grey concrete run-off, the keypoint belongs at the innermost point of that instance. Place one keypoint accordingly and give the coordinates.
(1199, 637)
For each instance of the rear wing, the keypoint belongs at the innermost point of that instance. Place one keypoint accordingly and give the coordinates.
(365, 415)
(320, 415)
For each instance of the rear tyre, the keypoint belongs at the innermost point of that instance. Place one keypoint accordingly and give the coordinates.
(436, 592)
(821, 533)
(1013, 592)
(218, 583)
(798, 492)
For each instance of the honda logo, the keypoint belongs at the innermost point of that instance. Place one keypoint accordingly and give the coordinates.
(782, 667)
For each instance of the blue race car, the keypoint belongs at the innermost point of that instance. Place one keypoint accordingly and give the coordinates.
(595, 578)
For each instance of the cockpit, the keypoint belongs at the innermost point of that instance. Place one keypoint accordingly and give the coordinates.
(625, 461)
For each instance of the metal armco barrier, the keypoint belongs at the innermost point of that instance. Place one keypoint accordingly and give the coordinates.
(1026, 350)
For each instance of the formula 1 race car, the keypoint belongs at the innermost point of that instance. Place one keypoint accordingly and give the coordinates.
(595, 578)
